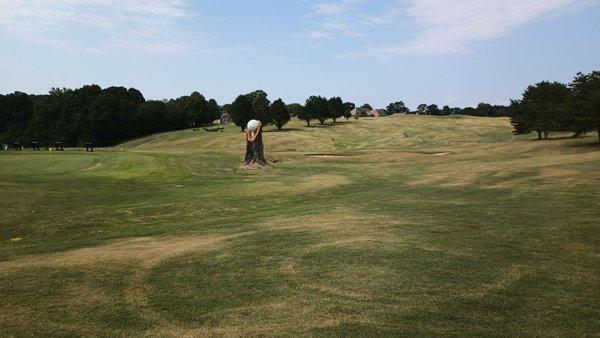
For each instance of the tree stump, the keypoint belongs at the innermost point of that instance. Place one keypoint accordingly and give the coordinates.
(255, 148)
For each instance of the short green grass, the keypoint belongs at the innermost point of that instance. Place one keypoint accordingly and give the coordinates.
(391, 226)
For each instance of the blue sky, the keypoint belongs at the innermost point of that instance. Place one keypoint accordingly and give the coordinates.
(455, 52)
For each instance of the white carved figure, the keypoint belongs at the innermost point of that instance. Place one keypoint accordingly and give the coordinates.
(253, 126)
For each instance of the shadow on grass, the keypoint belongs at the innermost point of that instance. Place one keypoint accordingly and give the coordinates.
(284, 130)
(592, 146)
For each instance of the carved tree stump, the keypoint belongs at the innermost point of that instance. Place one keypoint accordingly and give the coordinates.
(255, 153)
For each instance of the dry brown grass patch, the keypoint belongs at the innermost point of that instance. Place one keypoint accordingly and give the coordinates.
(145, 250)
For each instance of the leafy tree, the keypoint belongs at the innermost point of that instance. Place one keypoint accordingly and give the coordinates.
(541, 109)
(196, 106)
(177, 117)
(110, 118)
(135, 95)
(348, 107)
(260, 106)
(335, 107)
(367, 106)
(305, 115)
(91, 113)
(446, 111)
(397, 107)
(255, 94)
(433, 109)
(586, 102)
(485, 109)
(241, 111)
(213, 111)
(150, 117)
(316, 108)
(18, 109)
(422, 108)
(279, 113)
(361, 112)
(294, 109)
(226, 108)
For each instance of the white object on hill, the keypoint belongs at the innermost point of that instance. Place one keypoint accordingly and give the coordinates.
(253, 125)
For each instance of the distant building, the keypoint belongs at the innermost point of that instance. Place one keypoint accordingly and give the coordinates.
(224, 119)
(358, 112)
(377, 113)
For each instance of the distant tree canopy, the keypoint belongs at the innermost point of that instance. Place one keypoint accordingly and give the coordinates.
(256, 105)
(260, 106)
(322, 109)
(241, 111)
(111, 115)
(335, 108)
(397, 107)
(433, 109)
(348, 107)
(367, 106)
(279, 113)
(585, 103)
(294, 109)
(553, 106)
(315, 108)
(483, 109)
(542, 109)
(92, 114)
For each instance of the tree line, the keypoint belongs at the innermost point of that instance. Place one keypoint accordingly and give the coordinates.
(104, 117)
(553, 106)
(111, 115)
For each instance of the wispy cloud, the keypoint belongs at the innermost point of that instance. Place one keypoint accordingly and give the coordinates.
(452, 25)
(432, 26)
(97, 25)
(332, 19)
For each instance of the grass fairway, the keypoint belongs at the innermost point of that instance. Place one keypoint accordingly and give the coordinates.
(399, 225)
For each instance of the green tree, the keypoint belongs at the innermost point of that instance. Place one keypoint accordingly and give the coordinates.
(241, 111)
(397, 107)
(586, 102)
(294, 109)
(348, 107)
(279, 113)
(213, 111)
(110, 118)
(149, 117)
(335, 107)
(367, 106)
(260, 106)
(433, 109)
(422, 108)
(135, 95)
(18, 109)
(446, 110)
(541, 109)
(177, 117)
(196, 108)
(315, 108)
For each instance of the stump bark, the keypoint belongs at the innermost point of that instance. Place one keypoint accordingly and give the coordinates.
(255, 153)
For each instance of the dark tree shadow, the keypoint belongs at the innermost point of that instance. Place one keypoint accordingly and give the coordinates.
(284, 130)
